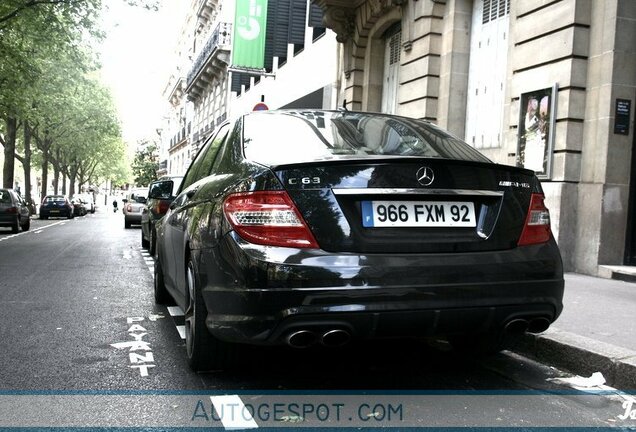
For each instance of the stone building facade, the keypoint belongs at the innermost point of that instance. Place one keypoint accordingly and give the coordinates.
(467, 64)
(201, 92)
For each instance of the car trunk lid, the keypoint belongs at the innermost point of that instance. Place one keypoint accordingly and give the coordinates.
(410, 205)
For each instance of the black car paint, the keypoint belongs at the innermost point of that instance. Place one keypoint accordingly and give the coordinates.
(447, 284)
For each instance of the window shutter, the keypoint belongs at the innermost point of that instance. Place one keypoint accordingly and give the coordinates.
(297, 22)
(315, 15)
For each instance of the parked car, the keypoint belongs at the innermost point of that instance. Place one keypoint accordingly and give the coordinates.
(160, 194)
(317, 227)
(89, 202)
(14, 212)
(134, 203)
(79, 206)
(56, 206)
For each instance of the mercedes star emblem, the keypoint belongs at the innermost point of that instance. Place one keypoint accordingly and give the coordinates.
(425, 176)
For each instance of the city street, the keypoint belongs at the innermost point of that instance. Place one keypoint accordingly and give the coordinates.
(82, 337)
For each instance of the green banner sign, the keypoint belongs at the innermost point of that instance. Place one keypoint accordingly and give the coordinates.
(248, 48)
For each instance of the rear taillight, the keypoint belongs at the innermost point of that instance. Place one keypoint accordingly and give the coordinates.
(537, 227)
(129, 208)
(161, 207)
(12, 210)
(268, 218)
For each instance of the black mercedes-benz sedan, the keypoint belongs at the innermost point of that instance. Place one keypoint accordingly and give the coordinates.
(318, 227)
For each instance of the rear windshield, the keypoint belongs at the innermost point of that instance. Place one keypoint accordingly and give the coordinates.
(5, 197)
(139, 196)
(277, 138)
(50, 199)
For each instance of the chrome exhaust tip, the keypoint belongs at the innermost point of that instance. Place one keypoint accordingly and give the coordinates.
(538, 325)
(335, 338)
(516, 326)
(301, 339)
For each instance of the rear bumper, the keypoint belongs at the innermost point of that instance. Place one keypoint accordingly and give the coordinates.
(65, 212)
(260, 295)
(8, 219)
(134, 218)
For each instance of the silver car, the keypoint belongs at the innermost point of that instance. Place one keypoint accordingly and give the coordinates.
(134, 203)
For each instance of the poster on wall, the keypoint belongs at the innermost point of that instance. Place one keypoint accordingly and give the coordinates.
(535, 138)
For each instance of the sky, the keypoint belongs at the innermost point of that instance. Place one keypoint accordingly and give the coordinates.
(137, 60)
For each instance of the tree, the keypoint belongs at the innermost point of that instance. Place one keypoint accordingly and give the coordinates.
(145, 164)
(46, 91)
(34, 36)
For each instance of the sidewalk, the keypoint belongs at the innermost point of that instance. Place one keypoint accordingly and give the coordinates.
(595, 333)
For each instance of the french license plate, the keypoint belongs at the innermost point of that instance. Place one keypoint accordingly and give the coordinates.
(55, 211)
(418, 214)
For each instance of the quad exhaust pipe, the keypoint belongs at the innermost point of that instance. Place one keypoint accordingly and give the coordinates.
(302, 339)
(307, 338)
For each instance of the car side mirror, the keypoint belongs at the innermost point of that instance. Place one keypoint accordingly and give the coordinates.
(161, 189)
(124, 200)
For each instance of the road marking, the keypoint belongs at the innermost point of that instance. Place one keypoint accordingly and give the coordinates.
(35, 231)
(143, 362)
(232, 412)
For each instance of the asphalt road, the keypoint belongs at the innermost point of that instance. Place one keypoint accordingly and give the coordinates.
(82, 338)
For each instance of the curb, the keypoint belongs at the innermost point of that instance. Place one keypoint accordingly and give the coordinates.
(582, 356)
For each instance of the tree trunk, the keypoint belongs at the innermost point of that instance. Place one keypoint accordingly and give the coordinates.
(9, 152)
(44, 144)
(56, 172)
(27, 167)
(62, 172)
(71, 178)
(45, 171)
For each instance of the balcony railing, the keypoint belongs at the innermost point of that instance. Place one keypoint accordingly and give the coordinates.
(221, 36)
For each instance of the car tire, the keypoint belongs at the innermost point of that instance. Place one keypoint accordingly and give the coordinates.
(203, 350)
(15, 227)
(152, 243)
(126, 224)
(26, 225)
(44, 217)
(71, 215)
(144, 243)
(162, 296)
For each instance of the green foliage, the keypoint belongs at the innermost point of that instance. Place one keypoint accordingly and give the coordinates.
(145, 165)
(47, 80)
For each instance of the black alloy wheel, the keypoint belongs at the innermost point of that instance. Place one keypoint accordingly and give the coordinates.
(152, 243)
(15, 227)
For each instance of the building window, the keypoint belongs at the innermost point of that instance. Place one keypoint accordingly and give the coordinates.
(318, 32)
(494, 9)
(487, 74)
(390, 84)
